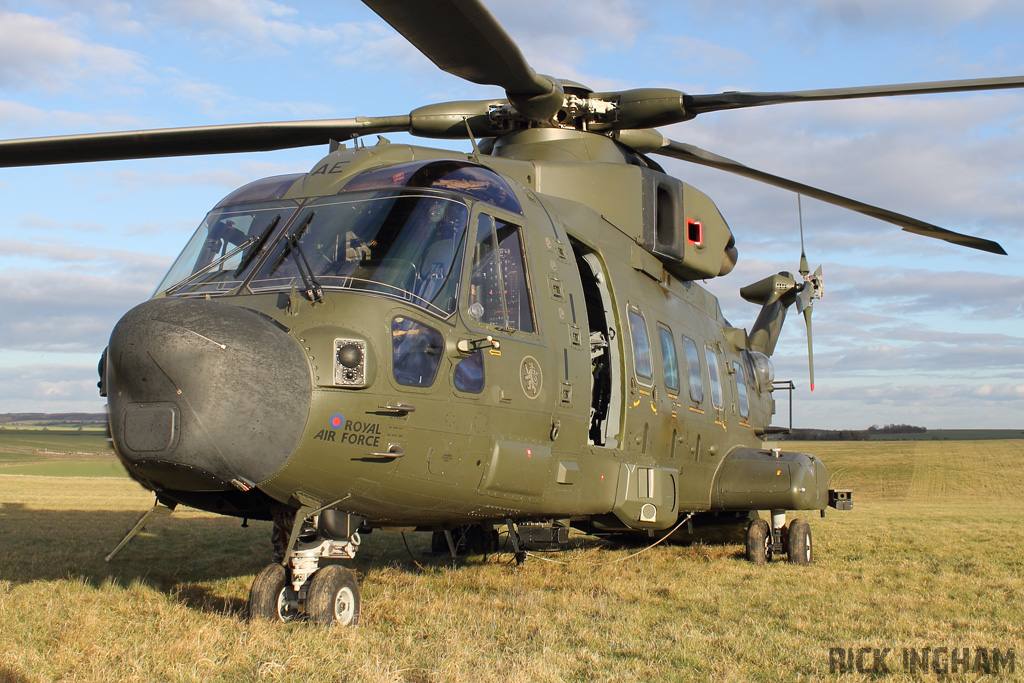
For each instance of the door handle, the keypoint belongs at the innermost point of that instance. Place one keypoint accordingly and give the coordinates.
(394, 450)
(400, 407)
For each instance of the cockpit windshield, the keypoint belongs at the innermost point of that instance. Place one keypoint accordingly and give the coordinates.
(397, 243)
(224, 246)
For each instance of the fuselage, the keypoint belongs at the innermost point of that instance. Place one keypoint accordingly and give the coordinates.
(427, 338)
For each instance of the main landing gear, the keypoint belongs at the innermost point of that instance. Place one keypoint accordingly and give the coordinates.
(302, 586)
(764, 542)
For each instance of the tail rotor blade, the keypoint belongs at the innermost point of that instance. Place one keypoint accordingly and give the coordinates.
(810, 345)
(804, 298)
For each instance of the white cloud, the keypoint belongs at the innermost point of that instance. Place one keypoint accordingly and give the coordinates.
(224, 26)
(50, 388)
(810, 18)
(67, 297)
(563, 39)
(40, 53)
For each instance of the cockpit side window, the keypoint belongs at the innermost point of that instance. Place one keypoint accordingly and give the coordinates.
(416, 351)
(469, 374)
(499, 292)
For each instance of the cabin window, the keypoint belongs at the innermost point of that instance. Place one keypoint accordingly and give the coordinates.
(469, 374)
(499, 294)
(416, 351)
(716, 382)
(693, 369)
(668, 359)
(741, 390)
(641, 345)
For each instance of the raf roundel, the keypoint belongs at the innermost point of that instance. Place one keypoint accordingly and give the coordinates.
(337, 420)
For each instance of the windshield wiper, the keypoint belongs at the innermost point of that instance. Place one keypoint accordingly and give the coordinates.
(313, 290)
(257, 246)
(209, 266)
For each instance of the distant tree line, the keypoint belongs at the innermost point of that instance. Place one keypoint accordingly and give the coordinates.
(874, 431)
(896, 429)
(53, 418)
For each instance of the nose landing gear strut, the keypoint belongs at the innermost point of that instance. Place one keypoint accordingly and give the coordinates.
(300, 587)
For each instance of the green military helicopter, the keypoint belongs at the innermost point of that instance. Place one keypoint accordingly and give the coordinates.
(409, 337)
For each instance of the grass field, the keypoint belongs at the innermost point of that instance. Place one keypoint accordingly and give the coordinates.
(929, 558)
(58, 452)
(55, 439)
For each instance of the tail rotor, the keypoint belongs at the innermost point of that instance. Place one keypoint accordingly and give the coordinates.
(810, 289)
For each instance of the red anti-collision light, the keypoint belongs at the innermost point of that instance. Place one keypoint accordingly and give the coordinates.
(694, 232)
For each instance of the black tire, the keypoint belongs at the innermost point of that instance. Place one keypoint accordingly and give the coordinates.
(272, 597)
(333, 597)
(758, 539)
(801, 551)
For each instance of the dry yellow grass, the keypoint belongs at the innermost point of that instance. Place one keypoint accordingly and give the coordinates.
(929, 557)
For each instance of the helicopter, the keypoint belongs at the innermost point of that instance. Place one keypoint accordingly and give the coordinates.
(420, 338)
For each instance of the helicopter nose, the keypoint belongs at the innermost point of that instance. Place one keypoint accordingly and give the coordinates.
(203, 395)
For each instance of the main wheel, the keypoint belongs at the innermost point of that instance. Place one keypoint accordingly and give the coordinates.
(272, 597)
(758, 541)
(800, 549)
(333, 597)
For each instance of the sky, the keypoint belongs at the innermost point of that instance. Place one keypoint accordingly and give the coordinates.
(910, 330)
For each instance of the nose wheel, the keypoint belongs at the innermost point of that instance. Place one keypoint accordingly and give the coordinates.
(303, 587)
(333, 597)
(272, 597)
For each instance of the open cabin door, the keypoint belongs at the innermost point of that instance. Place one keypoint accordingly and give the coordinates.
(605, 352)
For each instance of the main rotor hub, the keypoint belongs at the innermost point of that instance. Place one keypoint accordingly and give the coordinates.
(580, 112)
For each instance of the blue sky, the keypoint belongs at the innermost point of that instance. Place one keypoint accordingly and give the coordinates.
(910, 330)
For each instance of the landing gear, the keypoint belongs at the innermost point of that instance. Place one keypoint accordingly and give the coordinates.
(764, 541)
(333, 597)
(302, 587)
(759, 544)
(272, 597)
(800, 550)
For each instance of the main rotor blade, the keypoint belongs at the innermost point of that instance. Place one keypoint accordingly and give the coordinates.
(173, 142)
(702, 104)
(464, 39)
(696, 155)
